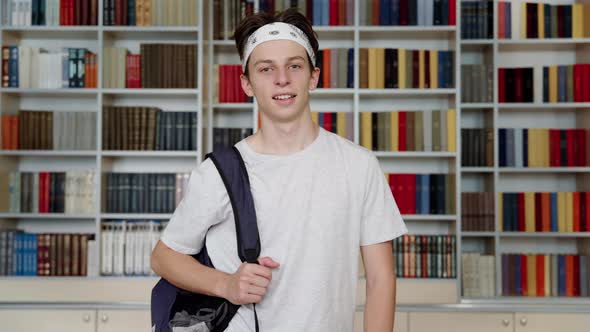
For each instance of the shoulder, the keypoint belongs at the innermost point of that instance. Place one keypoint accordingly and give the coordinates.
(354, 154)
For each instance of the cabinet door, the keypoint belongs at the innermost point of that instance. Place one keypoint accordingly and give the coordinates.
(460, 322)
(51, 320)
(124, 320)
(400, 322)
(541, 322)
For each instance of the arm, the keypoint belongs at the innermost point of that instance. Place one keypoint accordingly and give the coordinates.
(380, 306)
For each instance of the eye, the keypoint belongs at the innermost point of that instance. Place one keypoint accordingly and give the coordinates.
(265, 69)
(295, 66)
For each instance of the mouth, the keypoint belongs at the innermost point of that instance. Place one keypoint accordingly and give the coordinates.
(284, 97)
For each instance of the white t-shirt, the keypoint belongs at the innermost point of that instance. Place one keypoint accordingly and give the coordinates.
(315, 208)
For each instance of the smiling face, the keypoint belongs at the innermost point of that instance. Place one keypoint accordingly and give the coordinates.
(280, 78)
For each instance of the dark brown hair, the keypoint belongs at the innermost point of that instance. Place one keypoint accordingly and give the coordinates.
(251, 23)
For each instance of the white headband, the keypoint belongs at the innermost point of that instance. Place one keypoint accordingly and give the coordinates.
(276, 31)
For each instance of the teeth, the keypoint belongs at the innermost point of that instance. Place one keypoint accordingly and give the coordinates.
(282, 97)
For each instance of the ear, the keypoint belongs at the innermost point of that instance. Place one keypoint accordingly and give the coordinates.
(314, 79)
(246, 85)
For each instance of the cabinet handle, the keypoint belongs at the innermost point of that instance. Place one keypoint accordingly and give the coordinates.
(523, 321)
(104, 318)
(86, 318)
(505, 322)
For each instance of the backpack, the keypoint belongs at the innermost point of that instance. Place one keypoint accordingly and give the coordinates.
(168, 301)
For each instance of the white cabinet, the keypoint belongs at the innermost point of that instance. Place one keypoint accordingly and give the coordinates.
(400, 322)
(460, 322)
(550, 322)
(50, 320)
(123, 320)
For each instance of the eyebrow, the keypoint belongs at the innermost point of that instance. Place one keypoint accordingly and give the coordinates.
(297, 57)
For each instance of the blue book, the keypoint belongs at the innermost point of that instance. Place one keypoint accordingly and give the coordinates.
(502, 146)
(510, 147)
(131, 12)
(394, 12)
(441, 67)
(317, 12)
(418, 194)
(321, 119)
(547, 12)
(583, 275)
(525, 147)
(553, 210)
(383, 14)
(326, 12)
(33, 254)
(561, 275)
(561, 83)
(425, 193)
(517, 276)
(13, 65)
(545, 84)
(563, 147)
(350, 73)
(508, 16)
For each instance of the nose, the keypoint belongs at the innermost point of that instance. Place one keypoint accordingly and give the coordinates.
(282, 77)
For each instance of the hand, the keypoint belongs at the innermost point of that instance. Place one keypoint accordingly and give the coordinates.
(249, 283)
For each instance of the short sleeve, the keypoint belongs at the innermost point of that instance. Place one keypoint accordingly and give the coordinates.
(381, 219)
(203, 205)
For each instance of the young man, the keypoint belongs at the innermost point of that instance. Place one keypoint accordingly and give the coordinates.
(318, 198)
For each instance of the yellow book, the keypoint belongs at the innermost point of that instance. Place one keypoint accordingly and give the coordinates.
(577, 20)
(393, 128)
(500, 209)
(433, 69)
(541, 20)
(531, 150)
(315, 117)
(421, 70)
(373, 81)
(523, 20)
(552, 84)
(401, 67)
(586, 20)
(367, 130)
(451, 130)
(341, 124)
(561, 212)
(569, 211)
(547, 266)
(531, 274)
(380, 68)
(529, 211)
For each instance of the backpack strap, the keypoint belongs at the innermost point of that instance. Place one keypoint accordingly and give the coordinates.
(233, 172)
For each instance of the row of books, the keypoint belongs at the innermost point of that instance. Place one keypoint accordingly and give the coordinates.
(406, 69)
(228, 13)
(49, 12)
(144, 192)
(150, 12)
(477, 83)
(477, 212)
(406, 12)
(228, 137)
(34, 67)
(336, 68)
(341, 123)
(229, 86)
(543, 147)
(477, 19)
(69, 192)
(545, 275)
(126, 246)
(28, 254)
(515, 85)
(545, 211)
(478, 275)
(521, 19)
(49, 130)
(423, 193)
(148, 128)
(477, 147)
(428, 130)
(425, 256)
(567, 83)
(159, 66)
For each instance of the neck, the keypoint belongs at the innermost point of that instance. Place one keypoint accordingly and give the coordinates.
(284, 138)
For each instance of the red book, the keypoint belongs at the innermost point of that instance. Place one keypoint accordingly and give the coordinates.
(521, 216)
(546, 212)
(501, 91)
(128, 71)
(587, 210)
(578, 71)
(523, 274)
(397, 188)
(71, 12)
(78, 15)
(62, 10)
(501, 20)
(586, 83)
(44, 192)
(410, 182)
(376, 12)
(518, 85)
(538, 213)
(576, 211)
(333, 12)
(402, 130)
(327, 121)
(452, 12)
(424, 259)
(14, 130)
(576, 283)
(581, 145)
(221, 84)
(569, 139)
(243, 96)
(403, 12)
(326, 62)
(540, 275)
